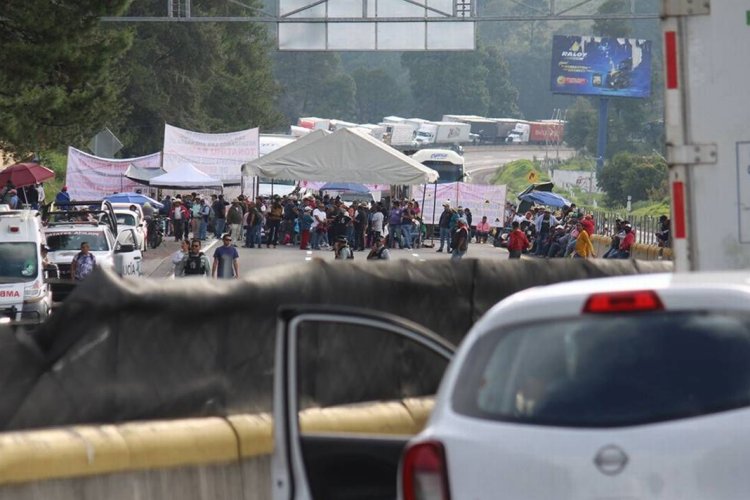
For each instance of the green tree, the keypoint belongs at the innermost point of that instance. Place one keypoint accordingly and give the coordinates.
(640, 177)
(615, 28)
(503, 96)
(470, 83)
(60, 77)
(378, 95)
(314, 84)
(581, 129)
(198, 76)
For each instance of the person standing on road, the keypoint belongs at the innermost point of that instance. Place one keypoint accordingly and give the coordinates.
(517, 241)
(319, 225)
(341, 249)
(83, 263)
(226, 260)
(220, 210)
(195, 262)
(305, 223)
(376, 222)
(460, 239)
(394, 224)
(178, 256)
(445, 227)
(178, 215)
(234, 219)
(584, 248)
(378, 251)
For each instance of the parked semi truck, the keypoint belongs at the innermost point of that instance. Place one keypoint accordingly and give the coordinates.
(436, 134)
(707, 134)
(538, 132)
(314, 123)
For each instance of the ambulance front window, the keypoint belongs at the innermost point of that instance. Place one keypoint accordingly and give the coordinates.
(18, 262)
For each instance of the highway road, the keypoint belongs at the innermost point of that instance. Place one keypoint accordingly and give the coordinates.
(483, 161)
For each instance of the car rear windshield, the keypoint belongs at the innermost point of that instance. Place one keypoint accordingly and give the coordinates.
(608, 371)
(72, 241)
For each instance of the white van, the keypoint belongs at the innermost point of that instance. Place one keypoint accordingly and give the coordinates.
(24, 292)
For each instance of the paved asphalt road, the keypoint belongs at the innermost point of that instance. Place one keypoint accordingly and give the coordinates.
(157, 263)
(481, 161)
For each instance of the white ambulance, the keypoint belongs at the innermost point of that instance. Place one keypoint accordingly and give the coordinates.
(24, 292)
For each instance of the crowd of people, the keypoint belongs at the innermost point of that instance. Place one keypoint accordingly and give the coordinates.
(18, 197)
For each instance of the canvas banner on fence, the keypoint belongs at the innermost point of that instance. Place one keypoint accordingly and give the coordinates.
(481, 199)
(218, 155)
(90, 177)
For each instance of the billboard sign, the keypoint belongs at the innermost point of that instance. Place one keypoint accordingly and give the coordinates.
(608, 67)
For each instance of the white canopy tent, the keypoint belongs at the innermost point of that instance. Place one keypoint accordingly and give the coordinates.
(185, 176)
(347, 155)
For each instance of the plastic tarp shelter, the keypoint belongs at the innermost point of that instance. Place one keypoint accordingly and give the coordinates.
(347, 155)
(143, 175)
(545, 198)
(183, 177)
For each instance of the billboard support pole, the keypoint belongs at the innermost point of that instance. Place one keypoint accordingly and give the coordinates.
(601, 144)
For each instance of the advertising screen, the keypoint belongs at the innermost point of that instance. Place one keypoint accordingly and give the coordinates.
(614, 67)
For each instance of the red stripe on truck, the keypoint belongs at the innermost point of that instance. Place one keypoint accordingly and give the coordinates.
(678, 202)
(670, 49)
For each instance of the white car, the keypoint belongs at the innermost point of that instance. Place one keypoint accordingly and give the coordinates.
(627, 388)
(127, 219)
(68, 229)
(634, 387)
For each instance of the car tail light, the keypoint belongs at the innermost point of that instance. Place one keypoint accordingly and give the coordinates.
(14, 229)
(614, 302)
(425, 472)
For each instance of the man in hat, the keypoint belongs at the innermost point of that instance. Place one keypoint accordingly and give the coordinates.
(460, 239)
(178, 215)
(341, 248)
(445, 227)
(305, 223)
(378, 251)
(234, 220)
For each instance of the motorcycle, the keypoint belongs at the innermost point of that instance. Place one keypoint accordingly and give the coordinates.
(155, 232)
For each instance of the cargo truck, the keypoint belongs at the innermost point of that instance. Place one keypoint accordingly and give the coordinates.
(437, 134)
(314, 123)
(707, 116)
(399, 135)
(540, 132)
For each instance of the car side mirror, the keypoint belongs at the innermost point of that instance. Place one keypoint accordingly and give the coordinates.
(125, 249)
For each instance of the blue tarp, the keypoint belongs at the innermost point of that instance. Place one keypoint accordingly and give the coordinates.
(136, 198)
(545, 198)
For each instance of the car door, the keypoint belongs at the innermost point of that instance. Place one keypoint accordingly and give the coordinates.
(351, 387)
(127, 258)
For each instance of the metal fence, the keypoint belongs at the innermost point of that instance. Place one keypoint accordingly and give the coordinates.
(645, 226)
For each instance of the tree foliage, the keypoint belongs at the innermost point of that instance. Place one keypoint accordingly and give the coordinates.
(378, 95)
(198, 76)
(641, 177)
(60, 77)
(469, 83)
(314, 84)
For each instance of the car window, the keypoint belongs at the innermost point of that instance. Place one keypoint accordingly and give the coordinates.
(126, 219)
(126, 238)
(608, 371)
(72, 241)
(18, 262)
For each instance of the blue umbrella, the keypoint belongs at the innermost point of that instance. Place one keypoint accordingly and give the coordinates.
(545, 198)
(349, 187)
(135, 198)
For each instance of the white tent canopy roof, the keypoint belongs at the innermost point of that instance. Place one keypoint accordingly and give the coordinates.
(347, 155)
(185, 176)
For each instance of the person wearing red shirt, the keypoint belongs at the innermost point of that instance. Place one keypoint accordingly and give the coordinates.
(483, 230)
(517, 242)
(626, 242)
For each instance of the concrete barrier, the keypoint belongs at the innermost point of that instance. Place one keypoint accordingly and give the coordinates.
(191, 459)
(639, 251)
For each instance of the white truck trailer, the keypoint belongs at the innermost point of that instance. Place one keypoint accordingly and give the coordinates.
(707, 120)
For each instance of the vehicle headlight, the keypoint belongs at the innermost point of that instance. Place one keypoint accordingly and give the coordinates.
(34, 291)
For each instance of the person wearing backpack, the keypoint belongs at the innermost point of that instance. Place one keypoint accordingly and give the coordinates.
(195, 262)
